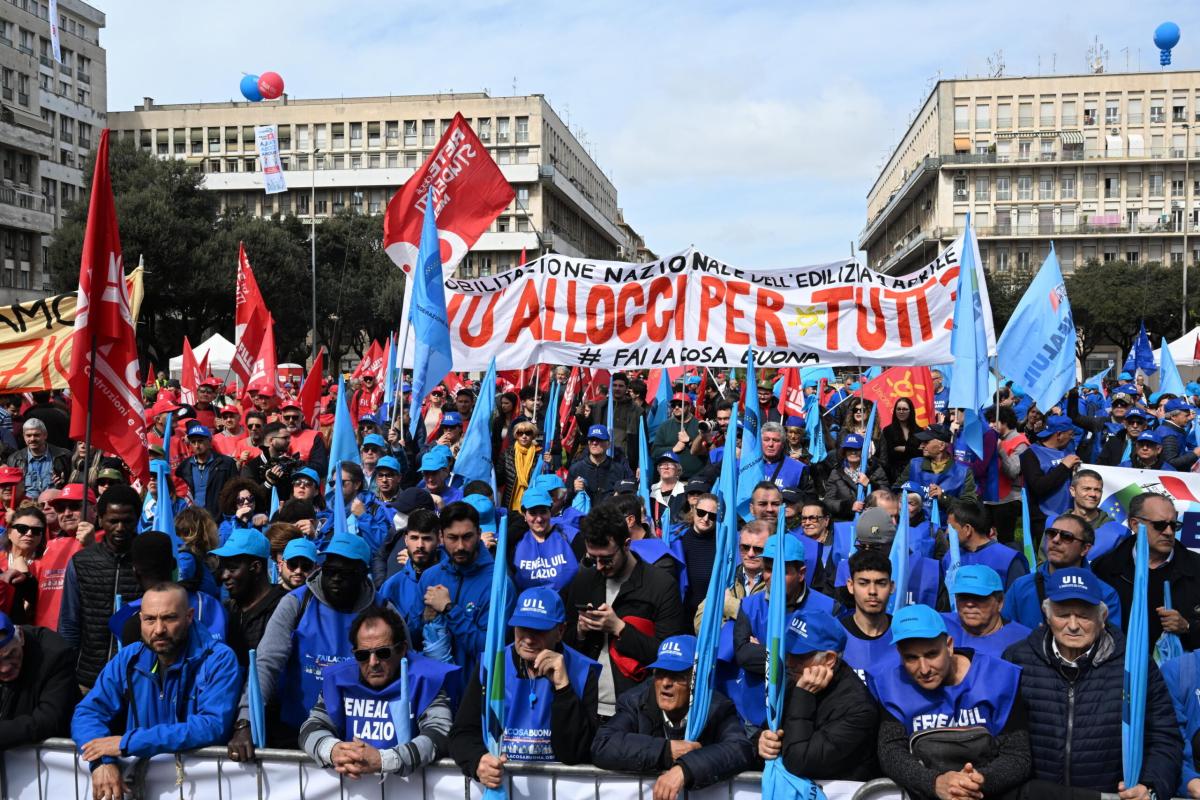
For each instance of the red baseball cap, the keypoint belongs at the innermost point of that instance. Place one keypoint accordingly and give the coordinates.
(681, 397)
(73, 493)
(10, 475)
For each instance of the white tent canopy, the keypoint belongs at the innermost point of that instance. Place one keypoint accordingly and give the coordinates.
(220, 355)
(1184, 348)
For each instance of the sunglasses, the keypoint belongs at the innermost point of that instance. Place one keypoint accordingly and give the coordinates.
(23, 529)
(524, 433)
(1064, 536)
(1160, 525)
(750, 549)
(676, 404)
(290, 417)
(60, 507)
(812, 518)
(591, 561)
(299, 564)
(245, 500)
(700, 513)
(254, 425)
(381, 653)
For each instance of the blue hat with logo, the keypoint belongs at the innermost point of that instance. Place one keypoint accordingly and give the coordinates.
(433, 460)
(979, 580)
(549, 483)
(853, 441)
(1056, 424)
(1175, 404)
(1137, 413)
(7, 629)
(1074, 583)
(199, 431)
(451, 419)
(533, 498)
(1151, 436)
(539, 608)
(814, 632)
(301, 548)
(667, 456)
(374, 440)
(917, 622)
(244, 542)
(598, 432)
(349, 545)
(676, 654)
(792, 549)
(307, 472)
(388, 462)
(486, 509)
(1127, 388)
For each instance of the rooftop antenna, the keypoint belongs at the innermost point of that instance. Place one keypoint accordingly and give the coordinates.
(514, 85)
(1097, 54)
(996, 64)
(1125, 50)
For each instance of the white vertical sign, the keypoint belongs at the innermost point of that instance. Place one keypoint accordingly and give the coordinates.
(54, 40)
(267, 138)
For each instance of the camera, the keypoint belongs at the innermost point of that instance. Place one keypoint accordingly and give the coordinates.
(706, 427)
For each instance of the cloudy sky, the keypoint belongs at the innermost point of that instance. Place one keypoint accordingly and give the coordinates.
(752, 131)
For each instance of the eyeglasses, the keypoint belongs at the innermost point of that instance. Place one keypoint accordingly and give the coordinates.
(291, 417)
(597, 441)
(750, 549)
(1160, 525)
(381, 653)
(524, 433)
(676, 404)
(591, 561)
(62, 507)
(254, 425)
(245, 500)
(812, 518)
(700, 513)
(23, 529)
(1064, 536)
(299, 564)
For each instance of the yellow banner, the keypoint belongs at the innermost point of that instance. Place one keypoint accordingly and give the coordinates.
(35, 339)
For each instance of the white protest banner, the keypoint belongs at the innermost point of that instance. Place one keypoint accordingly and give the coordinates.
(267, 139)
(55, 41)
(689, 308)
(1122, 484)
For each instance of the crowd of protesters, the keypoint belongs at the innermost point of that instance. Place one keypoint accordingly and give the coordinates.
(136, 641)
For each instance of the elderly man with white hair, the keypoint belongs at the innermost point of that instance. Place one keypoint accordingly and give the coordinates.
(1072, 672)
(44, 465)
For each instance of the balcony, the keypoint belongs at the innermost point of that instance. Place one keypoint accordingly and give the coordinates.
(921, 174)
(83, 77)
(1068, 154)
(1121, 228)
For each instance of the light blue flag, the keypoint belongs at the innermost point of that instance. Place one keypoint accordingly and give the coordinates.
(935, 525)
(1027, 532)
(1137, 665)
(258, 714)
(343, 447)
(389, 384)
(709, 635)
(608, 420)
(433, 357)
(899, 559)
(1037, 348)
(814, 429)
(667, 536)
(644, 472)
(402, 713)
(813, 375)
(475, 461)
(1142, 355)
(1097, 380)
(1169, 381)
(660, 409)
(1168, 645)
(873, 373)
(549, 423)
(750, 460)
(164, 487)
(969, 346)
(492, 663)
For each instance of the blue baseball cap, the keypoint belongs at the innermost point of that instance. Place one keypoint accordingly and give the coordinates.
(539, 608)
(374, 439)
(1074, 583)
(388, 462)
(351, 546)
(301, 548)
(1125, 376)
(917, 622)
(451, 419)
(7, 629)
(676, 654)
(198, 430)
(793, 421)
(1056, 424)
(667, 456)
(486, 509)
(852, 442)
(1137, 413)
(1127, 388)
(307, 472)
(1151, 436)
(433, 460)
(979, 580)
(1175, 404)
(598, 432)
(792, 549)
(549, 483)
(244, 542)
(814, 632)
(532, 498)
(691, 380)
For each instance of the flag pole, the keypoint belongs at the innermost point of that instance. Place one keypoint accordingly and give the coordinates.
(407, 329)
(87, 438)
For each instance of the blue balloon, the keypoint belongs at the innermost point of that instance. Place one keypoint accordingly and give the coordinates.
(1166, 36)
(249, 87)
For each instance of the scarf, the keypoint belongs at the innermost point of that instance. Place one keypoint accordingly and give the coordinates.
(524, 457)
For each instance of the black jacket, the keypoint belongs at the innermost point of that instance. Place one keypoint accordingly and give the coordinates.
(894, 461)
(220, 469)
(1183, 571)
(1173, 451)
(100, 573)
(40, 702)
(244, 629)
(831, 735)
(60, 462)
(599, 479)
(649, 593)
(573, 724)
(636, 739)
(840, 491)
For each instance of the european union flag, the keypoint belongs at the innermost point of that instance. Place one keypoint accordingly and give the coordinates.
(433, 357)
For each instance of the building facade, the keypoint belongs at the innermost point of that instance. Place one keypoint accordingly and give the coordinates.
(357, 152)
(50, 117)
(1098, 164)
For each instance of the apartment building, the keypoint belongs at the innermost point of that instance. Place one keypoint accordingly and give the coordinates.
(354, 153)
(1099, 164)
(50, 117)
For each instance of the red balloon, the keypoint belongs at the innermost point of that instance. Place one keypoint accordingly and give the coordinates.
(270, 85)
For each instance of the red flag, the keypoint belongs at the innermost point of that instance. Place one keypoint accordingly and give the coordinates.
(151, 378)
(470, 192)
(569, 394)
(251, 319)
(599, 379)
(915, 383)
(104, 327)
(521, 263)
(190, 374)
(205, 370)
(371, 362)
(1196, 349)
(264, 373)
(310, 392)
(791, 395)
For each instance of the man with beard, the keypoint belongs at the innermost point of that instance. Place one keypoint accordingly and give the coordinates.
(175, 690)
(422, 550)
(242, 570)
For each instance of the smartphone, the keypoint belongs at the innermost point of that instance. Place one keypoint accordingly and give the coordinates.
(581, 607)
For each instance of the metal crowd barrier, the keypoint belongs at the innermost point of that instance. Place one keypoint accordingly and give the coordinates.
(52, 771)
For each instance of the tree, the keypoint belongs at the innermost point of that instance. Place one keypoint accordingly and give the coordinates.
(1004, 293)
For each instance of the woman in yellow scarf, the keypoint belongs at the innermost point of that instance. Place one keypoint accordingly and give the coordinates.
(518, 464)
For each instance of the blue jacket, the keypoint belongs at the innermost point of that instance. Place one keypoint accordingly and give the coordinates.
(470, 595)
(1023, 600)
(405, 592)
(191, 705)
(1075, 716)
(374, 524)
(1181, 676)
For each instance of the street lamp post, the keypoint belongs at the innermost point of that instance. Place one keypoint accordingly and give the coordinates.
(1187, 213)
(313, 244)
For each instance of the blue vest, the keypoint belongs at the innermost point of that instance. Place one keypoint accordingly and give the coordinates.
(1108, 536)
(785, 474)
(753, 687)
(1060, 501)
(941, 400)
(994, 554)
(527, 704)
(860, 654)
(951, 481)
(994, 644)
(373, 715)
(984, 698)
(920, 539)
(206, 610)
(924, 579)
(550, 563)
(321, 638)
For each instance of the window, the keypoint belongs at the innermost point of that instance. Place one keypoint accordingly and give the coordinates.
(1003, 190)
(355, 161)
(485, 129)
(960, 189)
(1131, 256)
(214, 140)
(1112, 112)
(1134, 106)
(1179, 113)
(523, 225)
(410, 160)
(373, 161)
(392, 131)
(522, 155)
(522, 129)
(1025, 115)
(1177, 187)
(1112, 186)
(1089, 112)
(501, 129)
(339, 135)
(523, 197)
(214, 165)
(321, 136)
(1133, 185)
(502, 225)
(960, 118)
(1003, 148)
(356, 134)
(1024, 150)
(1004, 116)
(1045, 186)
(1046, 115)
(1047, 152)
(1068, 113)
(231, 165)
(982, 187)
(1022, 259)
(339, 161)
(1089, 186)
(427, 134)
(1025, 187)
(323, 206)
(504, 156)
(1002, 259)
(410, 133)
(1156, 111)
(1066, 218)
(393, 160)
(1156, 185)
(249, 164)
(302, 137)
